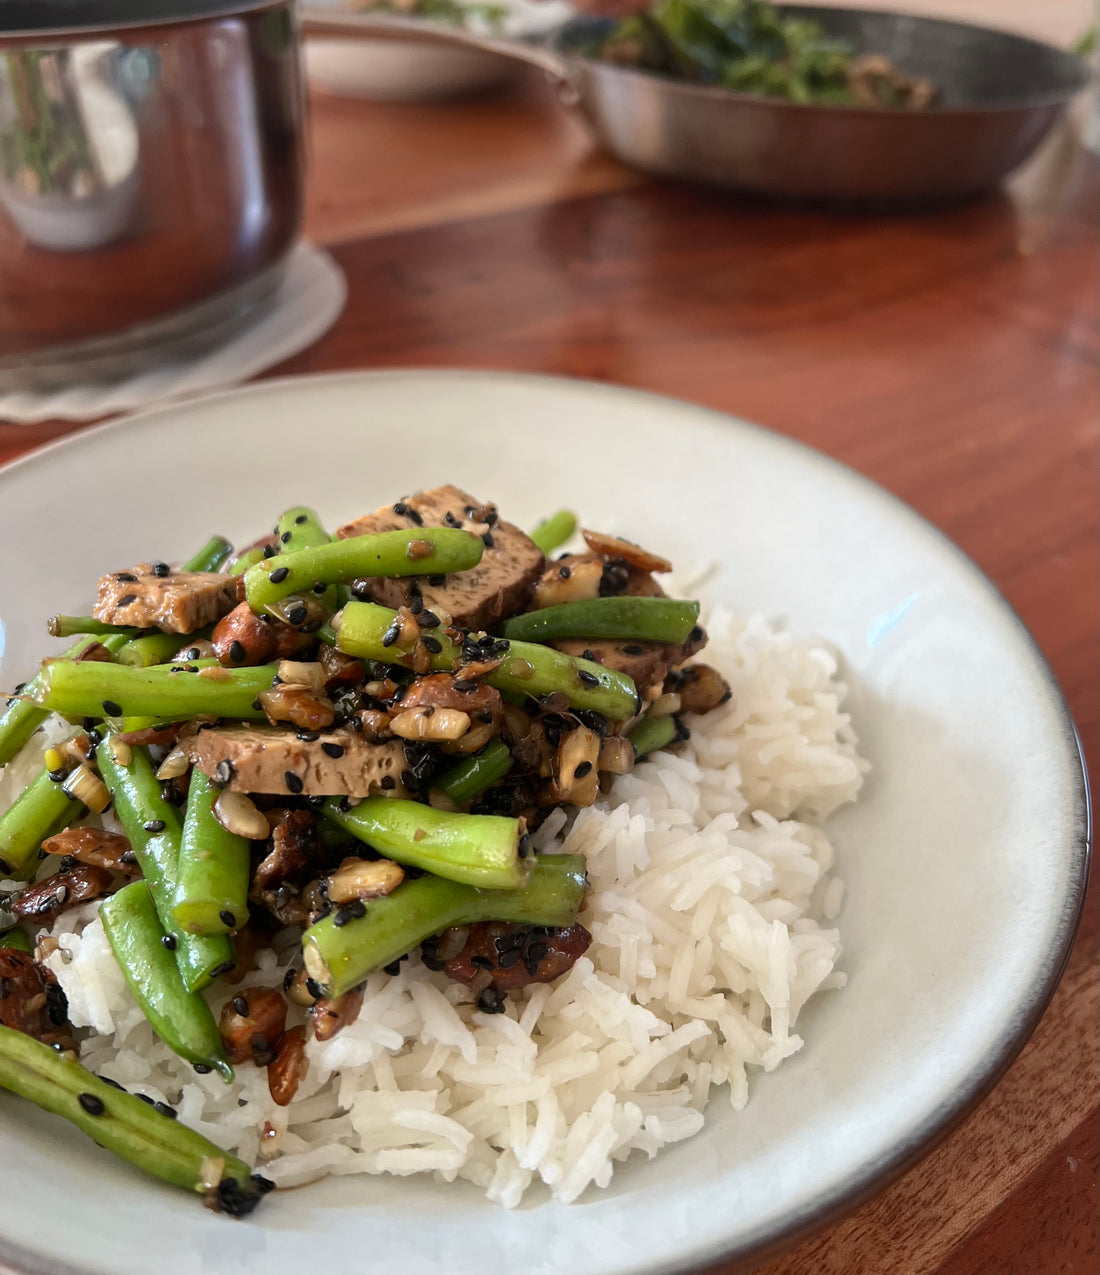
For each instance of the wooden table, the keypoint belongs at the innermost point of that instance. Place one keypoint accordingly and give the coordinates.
(950, 357)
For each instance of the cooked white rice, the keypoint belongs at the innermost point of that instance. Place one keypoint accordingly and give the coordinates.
(710, 893)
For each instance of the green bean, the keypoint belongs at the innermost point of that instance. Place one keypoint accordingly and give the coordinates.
(245, 559)
(621, 619)
(166, 692)
(372, 632)
(121, 1122)
(153, 648)
(153, 828)
(652, 733)
(301, 528)
(29, 820)
(16, 938)
(480, 850)
(211, 556)
(340, 955)
(22, 717)
(554, 530)
(71, 625)
(418, 551)
(472, 775)
(182, 1019)
(211, 894)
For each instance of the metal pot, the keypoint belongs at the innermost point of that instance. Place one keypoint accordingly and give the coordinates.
(151, 178)
(999, 95)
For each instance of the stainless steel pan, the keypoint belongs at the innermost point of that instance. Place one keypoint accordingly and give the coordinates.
(1000, 94)
(151, 178)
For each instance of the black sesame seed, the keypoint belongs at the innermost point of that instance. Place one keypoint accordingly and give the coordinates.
(525, 845)
(279, 575)
(565, 572)
(161, 569)
(270, 551)
(240, 1006)
(633, 649)
(438, 580)
(111, 708)
(285, 537)
(581, 769)
(293, 783)
(224, 772)
(392, 633)
(485, 716)
(169, 942)
(388, 781)
(297, 614)
(314, 988)
(696, 634)
(237, 653)
(59, 775)
(126, 577)
(91, 1104)
(301, 519)
(509, 958)
(113, 1083)
(589, 679)
(202, 1069)
(319, 587)
(491, 1001)
(394, 967)
(481, 963)
(165, 1110)
(428, 620)
(349, 912)
(221, 969)
(333, 750)
(259, 708)
(308, 736)
(431, 644)
(589, 654)
(126, 599)
(451, 520)
(417, 603)
(536, 951)
(227, 918)
(153, 825)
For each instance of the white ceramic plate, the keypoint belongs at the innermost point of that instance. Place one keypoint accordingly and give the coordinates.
(410, 71)
(964, 861)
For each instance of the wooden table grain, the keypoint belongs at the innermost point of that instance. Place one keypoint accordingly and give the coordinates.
(951, 357)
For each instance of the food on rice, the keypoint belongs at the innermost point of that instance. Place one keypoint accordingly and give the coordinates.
(420, 981)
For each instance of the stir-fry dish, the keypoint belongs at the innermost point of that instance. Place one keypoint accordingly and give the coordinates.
(751, 46)
(353, 737)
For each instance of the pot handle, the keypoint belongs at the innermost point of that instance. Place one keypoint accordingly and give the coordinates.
(372, 26)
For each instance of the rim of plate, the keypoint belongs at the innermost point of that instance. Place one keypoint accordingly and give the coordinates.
(870, 1177)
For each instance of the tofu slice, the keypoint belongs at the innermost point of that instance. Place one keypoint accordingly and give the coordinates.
(500, 585)
(149, 596)
(269, 759)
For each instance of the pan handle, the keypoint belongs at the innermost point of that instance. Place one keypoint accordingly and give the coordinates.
(372, 26)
